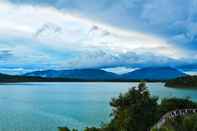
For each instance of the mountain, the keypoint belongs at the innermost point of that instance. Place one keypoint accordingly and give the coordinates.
(189, 67)
(154, 73)
(82, 74)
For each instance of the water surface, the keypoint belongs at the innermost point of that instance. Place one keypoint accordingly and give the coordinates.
(46, 106)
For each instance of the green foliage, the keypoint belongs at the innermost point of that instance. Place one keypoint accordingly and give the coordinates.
(190, 123)
(187, 123)
(166, 129)
(171, 104)
(66, 129)
(185, 82)
(63, 129)
(154, 129)
(163, 129)
(134, 106)
(92, 129)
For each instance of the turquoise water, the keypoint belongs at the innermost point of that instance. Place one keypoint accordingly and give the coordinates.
(46, 106)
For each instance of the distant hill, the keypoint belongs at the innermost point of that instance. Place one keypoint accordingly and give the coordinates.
(82, 74)
(185, 82)
(154, 73)
(13, 78)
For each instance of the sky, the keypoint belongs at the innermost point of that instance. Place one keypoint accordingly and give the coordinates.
(116, 35)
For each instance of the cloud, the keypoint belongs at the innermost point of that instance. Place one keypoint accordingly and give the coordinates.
(165, 18)
(5, 54)
(102, 59)
(53, 38)
(48, 27)
(120, 70)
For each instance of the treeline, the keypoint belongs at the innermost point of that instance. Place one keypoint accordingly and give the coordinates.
(13, 78)
(185, 82)
(137, 110)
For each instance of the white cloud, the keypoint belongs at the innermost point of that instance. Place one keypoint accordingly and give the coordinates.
(120, 70)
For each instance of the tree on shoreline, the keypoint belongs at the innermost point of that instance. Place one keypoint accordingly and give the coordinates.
(134, 107)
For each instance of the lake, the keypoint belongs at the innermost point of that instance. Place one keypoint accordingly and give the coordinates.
(46, 106)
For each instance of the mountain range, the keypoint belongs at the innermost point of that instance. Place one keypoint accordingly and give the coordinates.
(154, 73)
(150, 73)
(82, 74)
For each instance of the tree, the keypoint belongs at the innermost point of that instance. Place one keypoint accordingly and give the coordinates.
(66, 129)
(134, 107)
(92, 129)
